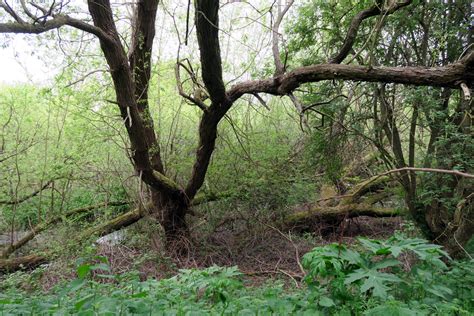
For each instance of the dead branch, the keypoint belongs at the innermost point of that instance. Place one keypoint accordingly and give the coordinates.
(43, 226)
(335, 214)
(115, 224)
(25, 198)
(21, 263)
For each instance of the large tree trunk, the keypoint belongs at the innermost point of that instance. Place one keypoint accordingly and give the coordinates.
(172, 217)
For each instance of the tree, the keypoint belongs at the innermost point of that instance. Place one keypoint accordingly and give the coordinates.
(130, 72)
(409, 126)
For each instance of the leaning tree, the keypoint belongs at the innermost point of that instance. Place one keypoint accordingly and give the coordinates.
(130, 70)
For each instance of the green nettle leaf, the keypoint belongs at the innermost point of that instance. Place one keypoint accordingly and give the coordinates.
(84, 302)
(75, 285)
(440, 291)
(100, 266)
(392, 310)
(83, 270)
(325, 301)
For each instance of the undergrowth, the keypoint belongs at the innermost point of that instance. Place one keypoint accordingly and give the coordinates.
(397, 276)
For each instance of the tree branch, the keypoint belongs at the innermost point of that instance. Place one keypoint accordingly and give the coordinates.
(447, 76)
(23, 199)
(141, 63)
(279, 67)
(124, 85)
(351, 35)
(55, 23)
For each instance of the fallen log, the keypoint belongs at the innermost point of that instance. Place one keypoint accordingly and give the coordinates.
(43, 226)
(114, 224)
(32, 261)
(103, 229)
(21, 263)
(360, 201)
(334, 215)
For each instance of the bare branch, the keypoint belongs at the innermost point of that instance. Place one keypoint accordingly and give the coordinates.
(351, 35)
(15, 27)
(262, 101)
(55, 23)
(179, 85)
(279, 67)
(27, 197)
(11, 12)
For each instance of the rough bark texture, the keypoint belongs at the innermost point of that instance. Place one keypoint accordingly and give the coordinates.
(131, 86)
(447, 76)
(140, 62)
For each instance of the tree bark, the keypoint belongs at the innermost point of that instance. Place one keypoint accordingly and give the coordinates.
(333, 210)
(21, 263)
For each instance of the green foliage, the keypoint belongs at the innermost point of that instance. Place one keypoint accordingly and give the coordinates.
(323, 151)
(370, 278)
(376, 274)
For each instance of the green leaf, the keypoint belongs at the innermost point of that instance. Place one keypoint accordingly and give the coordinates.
(325, 301)
(83, 270)
(83, 301)
(75, 285)
(386, 263)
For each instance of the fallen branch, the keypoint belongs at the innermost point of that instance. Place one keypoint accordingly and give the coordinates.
(373, 184)
(43, 226)
(377, 180)
(453, 172)
(115, 224)
(203, 198)
(32, 261)
(335, 214)
(21, 263)
(345, 206)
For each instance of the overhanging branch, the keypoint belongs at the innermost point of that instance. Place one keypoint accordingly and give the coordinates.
(447, 76)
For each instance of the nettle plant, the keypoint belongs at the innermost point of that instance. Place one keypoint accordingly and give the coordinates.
(378, 270)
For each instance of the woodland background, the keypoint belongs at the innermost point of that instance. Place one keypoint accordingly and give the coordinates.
(186, 158)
